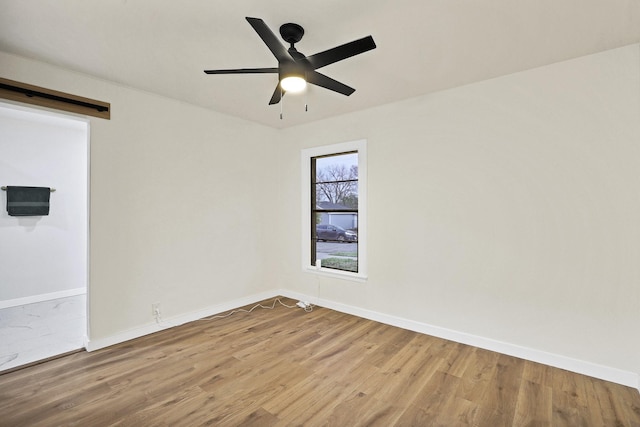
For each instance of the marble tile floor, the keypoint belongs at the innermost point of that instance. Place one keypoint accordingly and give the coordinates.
(33, 332)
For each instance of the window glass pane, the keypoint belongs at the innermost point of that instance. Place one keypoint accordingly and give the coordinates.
(335, 211)
(337, 247)
(335, 167)
(337, 196)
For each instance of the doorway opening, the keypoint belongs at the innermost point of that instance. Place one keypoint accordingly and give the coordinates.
(43, 258)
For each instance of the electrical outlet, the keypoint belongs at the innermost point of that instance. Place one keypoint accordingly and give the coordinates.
(155, 311)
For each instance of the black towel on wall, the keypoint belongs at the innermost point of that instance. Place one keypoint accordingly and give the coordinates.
(28, 201)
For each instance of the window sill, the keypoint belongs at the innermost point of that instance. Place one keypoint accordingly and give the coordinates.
(337, 274)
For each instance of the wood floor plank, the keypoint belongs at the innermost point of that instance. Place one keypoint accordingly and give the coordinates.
(458, 359)
(538, 373)
(476, 377)
(311, 405)
(458, 412)
(534, 405)
(361, 409)
(285, 367)
(569, 399)
(498, 404)
(615, 408)
(429, 403)
(401, 385)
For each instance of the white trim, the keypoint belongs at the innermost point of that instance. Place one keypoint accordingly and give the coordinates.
(336, 274)
(626, 378)
(171, 322)
(618, 376)
(87, 325)
(305, 155)
(42, 297)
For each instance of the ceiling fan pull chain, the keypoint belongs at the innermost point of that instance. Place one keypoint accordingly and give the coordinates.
(306, 94)
(281, 102)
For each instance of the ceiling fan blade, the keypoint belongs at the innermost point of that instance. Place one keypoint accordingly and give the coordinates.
(277, 95)
(243, 71)
(318, 79)
(339, 53)
(270, 39)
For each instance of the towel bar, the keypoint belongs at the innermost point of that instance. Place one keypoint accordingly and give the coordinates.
(4, 188)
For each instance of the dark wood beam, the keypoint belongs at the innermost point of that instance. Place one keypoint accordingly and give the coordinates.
(43, 97)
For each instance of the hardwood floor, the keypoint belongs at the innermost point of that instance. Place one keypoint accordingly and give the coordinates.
(286, 367)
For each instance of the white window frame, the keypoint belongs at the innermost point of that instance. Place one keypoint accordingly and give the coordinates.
(305, 158)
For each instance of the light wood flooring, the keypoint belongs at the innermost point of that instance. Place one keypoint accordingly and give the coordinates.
(287, 367)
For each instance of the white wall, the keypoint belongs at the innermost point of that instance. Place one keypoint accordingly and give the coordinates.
(44, 254)
(520, 196)
(179, 213)
(520, 207)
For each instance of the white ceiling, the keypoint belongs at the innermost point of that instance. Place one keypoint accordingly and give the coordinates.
(163, 46)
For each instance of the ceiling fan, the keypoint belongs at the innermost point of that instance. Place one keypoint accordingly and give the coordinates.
(295, 69)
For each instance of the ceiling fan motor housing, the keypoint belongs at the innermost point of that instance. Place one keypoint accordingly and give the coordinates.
(291, 33)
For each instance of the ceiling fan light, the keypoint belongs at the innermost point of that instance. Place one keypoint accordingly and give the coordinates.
(293, 84)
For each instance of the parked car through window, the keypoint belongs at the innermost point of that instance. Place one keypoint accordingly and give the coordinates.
(334, 232)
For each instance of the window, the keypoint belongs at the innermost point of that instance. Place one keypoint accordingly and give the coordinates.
(334, 207)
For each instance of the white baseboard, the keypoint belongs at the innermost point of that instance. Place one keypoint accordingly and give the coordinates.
(166, 323)
(626, 378)
(618, 376)
(42, 297)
